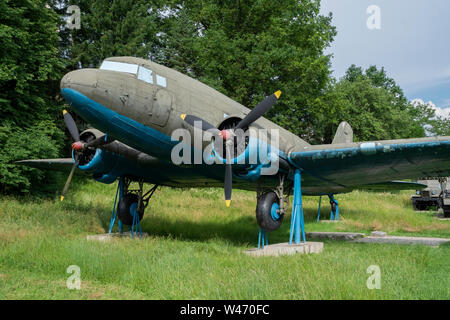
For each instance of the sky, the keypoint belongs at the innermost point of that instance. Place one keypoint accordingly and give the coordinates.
(412, 43)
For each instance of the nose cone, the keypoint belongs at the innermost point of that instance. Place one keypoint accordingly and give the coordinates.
(82, 80)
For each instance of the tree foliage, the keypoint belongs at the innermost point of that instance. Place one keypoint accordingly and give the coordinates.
(30, 69)
(246, 49)
(372, 103)
(109, 28)
(249, 49)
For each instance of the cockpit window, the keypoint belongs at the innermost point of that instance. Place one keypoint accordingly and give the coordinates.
(119, 67)
(161, 81)
(145, 74)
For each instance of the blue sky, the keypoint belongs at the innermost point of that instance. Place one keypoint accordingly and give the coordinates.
(413, 43)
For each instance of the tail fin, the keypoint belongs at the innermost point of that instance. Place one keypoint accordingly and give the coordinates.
(344, 133)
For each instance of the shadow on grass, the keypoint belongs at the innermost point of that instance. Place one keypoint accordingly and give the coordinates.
(240, 231)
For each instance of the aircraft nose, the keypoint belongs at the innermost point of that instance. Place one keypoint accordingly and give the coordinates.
(79, 79)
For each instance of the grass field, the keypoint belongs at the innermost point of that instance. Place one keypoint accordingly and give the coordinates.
(195, 249)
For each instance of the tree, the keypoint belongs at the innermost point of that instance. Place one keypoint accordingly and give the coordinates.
(249, 49)
(372, 103)
(30, 69)
(109, 28)
(434, 125)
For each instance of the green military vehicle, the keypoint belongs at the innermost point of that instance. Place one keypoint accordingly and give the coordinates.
(436, 194)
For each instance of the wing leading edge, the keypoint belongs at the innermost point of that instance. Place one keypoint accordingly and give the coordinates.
(367, 163)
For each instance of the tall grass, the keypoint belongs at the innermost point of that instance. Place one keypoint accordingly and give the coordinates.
(195, 246)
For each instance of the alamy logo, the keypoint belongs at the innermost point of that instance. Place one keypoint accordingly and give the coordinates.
(374, 20)
(74, 19)
(253, 147)
(74, 280)
(374, 280)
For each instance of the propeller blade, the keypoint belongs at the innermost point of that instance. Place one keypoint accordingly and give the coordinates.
(259, 110)
(69, 179)
(190, 119)
(71, 126)
(228, 184)
(98, 142)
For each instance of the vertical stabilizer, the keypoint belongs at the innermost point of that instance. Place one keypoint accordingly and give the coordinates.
(344, 133)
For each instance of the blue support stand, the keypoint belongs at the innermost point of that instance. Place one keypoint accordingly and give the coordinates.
(334, 216)
(318, 212)
(262, 238)
(120, 188)
(135, 229)
(297, 221)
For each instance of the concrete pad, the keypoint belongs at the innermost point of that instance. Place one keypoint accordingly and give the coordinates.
(435, 242)
(378, 234)
(334, 235)
(286, 249)
(329, 221)
(107, 236)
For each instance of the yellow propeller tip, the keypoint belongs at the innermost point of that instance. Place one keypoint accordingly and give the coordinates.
(183, 116)
(277, 94)
(62, 198)
(228, 202)
(64, 112)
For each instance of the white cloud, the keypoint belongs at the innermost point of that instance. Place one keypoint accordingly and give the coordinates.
(440, 112)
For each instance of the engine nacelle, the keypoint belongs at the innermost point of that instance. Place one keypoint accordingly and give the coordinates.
(254, 152)
(112, 160)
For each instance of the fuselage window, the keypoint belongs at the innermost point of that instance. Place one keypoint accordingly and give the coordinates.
(119, 67)
(145, 74)
(161, 81)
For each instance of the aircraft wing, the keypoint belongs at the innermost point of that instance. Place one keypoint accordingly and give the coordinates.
(62, 164)
(393, 185)
(367, 163)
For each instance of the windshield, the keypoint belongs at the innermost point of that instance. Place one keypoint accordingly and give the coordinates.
(119, 67)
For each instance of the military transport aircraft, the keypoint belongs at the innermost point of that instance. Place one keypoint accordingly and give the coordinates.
(135, 105)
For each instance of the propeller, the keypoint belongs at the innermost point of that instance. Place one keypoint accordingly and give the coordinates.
(79, 146)
(228, 135)
(73, 130)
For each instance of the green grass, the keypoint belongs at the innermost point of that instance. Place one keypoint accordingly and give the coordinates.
(195, 249)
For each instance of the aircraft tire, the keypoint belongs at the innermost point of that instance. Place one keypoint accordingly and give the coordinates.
(124, 206)
(446, 211)
(266, 207)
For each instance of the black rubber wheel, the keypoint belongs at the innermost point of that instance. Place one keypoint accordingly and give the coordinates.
(123, 210)
(265, 212)
(446, 211)
(415, 205)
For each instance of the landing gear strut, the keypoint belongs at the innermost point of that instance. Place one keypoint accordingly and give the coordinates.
(271, 207)
(131, 206)
(334, 214)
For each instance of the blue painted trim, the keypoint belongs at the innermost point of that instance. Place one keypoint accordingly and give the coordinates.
(364, 148)
(131, 132)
